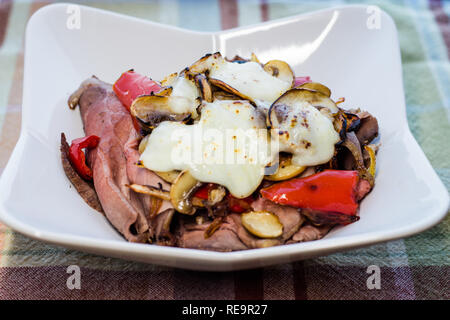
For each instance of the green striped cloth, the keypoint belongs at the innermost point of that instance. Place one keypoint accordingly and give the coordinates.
(414, 268)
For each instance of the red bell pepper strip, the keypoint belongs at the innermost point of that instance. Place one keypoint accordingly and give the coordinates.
(78, 158)
(239, 205)
(130, 85)
(330, 190)
(203, 191)
(234, 204)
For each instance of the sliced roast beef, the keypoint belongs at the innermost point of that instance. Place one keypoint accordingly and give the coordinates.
(225, 238)
(85, 189)
(309, 232)
(231, 235)
(114, 160)
(251, 241)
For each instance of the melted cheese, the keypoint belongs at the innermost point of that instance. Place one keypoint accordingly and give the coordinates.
(183, 96)
(308, 134)
(250, 79)
(227, 146)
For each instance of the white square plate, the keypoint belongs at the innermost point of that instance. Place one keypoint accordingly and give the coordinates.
(333, 46)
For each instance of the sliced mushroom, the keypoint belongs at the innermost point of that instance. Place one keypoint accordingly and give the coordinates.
(225, 87)
(169, 80)
(345, 122)
(168, 176)
(254, 58)
(164, 91)
(154, 206)
(75, 97)
(223, 95)
(204, 64)
(352, 144)
(215, 195)
(286, 169)
(202, 83)
(302, 129)
(143, 144)
(315, 98)
(215, 224)
(372, 159)
(281, 70)
(315, 86)
(262, 224)
(152, 191)
(152, 110)
(182, 191)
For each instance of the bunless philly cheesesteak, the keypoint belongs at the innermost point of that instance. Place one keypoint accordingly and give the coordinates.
(143, 218)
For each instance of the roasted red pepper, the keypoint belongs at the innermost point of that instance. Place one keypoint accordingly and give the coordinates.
(234, 204)
(239, 205)
(203, 191)
(330, 191)
(130, 85)
(78, 158)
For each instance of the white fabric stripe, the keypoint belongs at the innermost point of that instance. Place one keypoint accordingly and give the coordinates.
(249, 12)
(434, 47)
(403, 276)
(9, 51)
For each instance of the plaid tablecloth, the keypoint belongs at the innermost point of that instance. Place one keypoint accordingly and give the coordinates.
(414, 268)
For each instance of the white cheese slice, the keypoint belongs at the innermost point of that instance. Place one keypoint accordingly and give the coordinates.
(228, 146)
(250, 79)
(308, 134)
(183, 98)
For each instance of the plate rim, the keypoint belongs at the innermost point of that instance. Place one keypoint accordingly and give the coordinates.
(215, 260)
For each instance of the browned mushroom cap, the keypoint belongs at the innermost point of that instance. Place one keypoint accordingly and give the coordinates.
(223, 95)
(168, 176)
(352, 144)
(281, 70)
(152, 110)
(169, 80)
(143, 144)
(225, 87)
(315, 86)
(344, 122)
(282, 105)
(202, 83)
(286, 169)
(164, 91)
(182, 191)
(203, 64)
